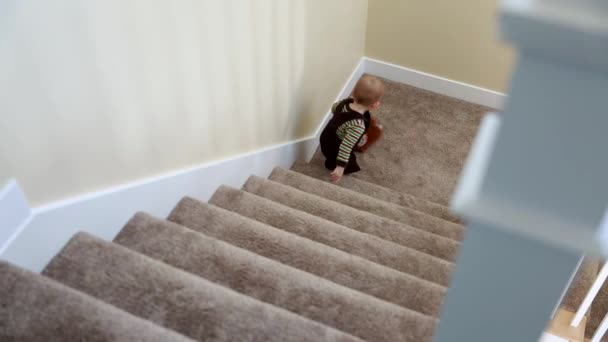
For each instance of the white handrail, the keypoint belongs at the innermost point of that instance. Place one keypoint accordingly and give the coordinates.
(590, 296)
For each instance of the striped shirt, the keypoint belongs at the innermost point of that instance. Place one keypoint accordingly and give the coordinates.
(349, 132)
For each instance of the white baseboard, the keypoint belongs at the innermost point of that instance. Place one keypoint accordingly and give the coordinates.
(31, 237)
(104, 213)
(546, 337)
(35, 235)
(436, 84)
(14, 212)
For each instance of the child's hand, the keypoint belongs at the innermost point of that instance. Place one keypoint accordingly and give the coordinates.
(336, 174)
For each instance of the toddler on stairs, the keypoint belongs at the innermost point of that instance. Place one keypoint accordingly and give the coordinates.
(348, 127)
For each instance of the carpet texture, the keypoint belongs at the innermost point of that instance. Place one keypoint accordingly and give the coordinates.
(312, 227)
(599, 308)
(581, 283)
(283, 286)
(369, 204)
(379, 192)
(290, 258)
(426, 140)
(323, 261)
(362, 221)
(175, 299)
(58, 308)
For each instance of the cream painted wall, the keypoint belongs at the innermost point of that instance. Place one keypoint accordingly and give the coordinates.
(98, 93)
(453, 39)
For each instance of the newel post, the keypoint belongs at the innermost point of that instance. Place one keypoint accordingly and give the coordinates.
(535, 186)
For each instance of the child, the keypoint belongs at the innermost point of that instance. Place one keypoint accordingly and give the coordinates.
(348, 125)
(373, 134)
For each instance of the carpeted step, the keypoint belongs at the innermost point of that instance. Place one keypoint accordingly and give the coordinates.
(36, 308)
(365, 222)
(272, 282)
(599, 309)
(367, 246)
(379, 192)
(583, 279)
(368, 204)
(307, 255)
(176, 299)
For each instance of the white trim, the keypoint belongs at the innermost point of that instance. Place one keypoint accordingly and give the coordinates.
(546, 337)
(37, 234)
(41, 232)
(436, 84)
(601, 330)
(14, 212)
(309, 143)
(590, 296)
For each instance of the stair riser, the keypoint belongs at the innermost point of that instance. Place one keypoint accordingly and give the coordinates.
(364, 222)
(175, 299)
(323, 261)
(369, 204)
(36, 308)
(274, 283)
(367, 246)
(379, 192)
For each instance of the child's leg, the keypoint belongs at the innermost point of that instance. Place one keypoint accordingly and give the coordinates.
(329, 149)
(330, 163)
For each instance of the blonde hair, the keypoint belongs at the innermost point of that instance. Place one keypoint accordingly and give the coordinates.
(368, 90)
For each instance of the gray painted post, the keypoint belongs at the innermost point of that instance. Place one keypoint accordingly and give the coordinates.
(504, 288)
(533, 189)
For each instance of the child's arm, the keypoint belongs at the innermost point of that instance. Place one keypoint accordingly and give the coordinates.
(353, 131)
(373, 134)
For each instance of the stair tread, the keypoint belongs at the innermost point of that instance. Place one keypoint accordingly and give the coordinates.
(369, 204)
(176, 299)
(290, 249)
(367, 246)
(583, 279)
(598, 310)
(362, 221)
(36, 308)
(379, 192)
(272, 282)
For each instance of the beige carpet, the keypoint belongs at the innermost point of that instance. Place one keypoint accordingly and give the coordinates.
(426, 139)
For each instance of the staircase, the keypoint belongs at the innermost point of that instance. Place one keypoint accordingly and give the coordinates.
(589, 284)
(289, 258)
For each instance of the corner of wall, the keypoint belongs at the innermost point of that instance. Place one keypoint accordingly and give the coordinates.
(31, 237)
(14, 212)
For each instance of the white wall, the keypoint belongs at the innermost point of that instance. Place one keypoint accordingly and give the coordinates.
(98, 93)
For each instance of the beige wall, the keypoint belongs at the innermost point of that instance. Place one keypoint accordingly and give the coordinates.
(453, 39)
(99, 93)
